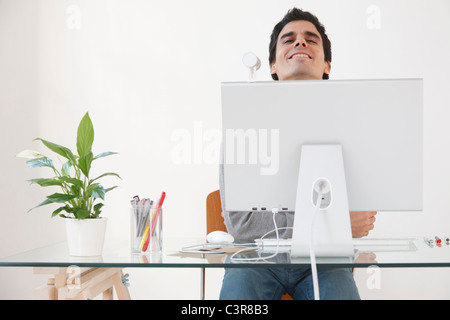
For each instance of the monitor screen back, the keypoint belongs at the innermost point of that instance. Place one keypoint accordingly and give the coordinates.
(377, 122)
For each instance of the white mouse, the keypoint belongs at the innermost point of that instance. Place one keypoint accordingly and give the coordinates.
(219, 237)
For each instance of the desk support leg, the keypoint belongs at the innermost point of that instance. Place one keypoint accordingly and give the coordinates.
(81, 283)
(202, 284)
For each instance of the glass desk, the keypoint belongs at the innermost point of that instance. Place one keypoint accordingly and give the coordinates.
(390, 253)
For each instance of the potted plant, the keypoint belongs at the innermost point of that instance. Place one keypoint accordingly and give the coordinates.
(79, 192)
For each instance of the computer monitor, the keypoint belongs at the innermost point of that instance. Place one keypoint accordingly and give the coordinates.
(376, 123)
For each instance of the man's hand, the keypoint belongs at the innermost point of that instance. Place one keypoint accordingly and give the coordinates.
(362, 222)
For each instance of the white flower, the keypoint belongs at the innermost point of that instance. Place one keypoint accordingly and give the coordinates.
(29, 154)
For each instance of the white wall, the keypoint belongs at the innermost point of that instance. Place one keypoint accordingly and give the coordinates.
(145, 69)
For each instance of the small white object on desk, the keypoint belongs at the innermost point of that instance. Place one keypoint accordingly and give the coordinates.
(219, 237)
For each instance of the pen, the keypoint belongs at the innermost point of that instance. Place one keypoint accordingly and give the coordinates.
(153, 220)
(147, 228)
(141, 211)
(144, 238)
(135, 207)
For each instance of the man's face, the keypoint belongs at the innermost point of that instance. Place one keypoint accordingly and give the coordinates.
(299, 54)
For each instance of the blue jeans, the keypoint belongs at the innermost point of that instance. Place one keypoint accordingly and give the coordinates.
(271, 284)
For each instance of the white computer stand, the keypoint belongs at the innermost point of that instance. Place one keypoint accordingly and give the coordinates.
(332, 231)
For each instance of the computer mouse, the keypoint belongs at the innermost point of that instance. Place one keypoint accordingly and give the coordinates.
(219, 237)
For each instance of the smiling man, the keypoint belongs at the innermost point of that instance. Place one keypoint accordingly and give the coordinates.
(299, 50)
(299, 53)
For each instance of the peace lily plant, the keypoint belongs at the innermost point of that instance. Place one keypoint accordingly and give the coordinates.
(79, 191)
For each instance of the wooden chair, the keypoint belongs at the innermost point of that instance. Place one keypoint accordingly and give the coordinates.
(215, 222)
(214, 219)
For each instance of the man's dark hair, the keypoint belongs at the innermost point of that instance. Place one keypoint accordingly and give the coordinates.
(294, 15)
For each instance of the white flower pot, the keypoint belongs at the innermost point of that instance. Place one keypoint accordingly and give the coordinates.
(85, 237)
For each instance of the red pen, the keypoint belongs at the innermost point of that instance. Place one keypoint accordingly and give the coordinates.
(153, 222)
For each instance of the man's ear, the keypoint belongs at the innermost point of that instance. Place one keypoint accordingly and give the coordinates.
(273, 68)
(273, 71)
(327, 68)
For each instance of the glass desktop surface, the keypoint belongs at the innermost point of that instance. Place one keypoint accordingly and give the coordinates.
(412, 252)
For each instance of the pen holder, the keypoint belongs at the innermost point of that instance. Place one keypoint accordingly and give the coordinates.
(146, 231)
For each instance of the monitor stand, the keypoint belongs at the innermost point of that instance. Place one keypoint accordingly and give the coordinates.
(332, 237)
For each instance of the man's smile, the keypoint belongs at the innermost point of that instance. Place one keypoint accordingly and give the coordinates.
(300, 55)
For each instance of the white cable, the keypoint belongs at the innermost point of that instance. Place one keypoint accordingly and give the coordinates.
(232, 258)
(311, 244)
(281, 228)
(311, 247)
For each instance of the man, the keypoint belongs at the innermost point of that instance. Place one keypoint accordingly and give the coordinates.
(299, 50)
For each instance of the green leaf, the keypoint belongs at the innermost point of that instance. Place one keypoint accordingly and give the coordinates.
(82, 214)
(85, 136)
(73, 181)
(85, 163)
(104, 154)
(65, 170)
(60, 197)
(43, 203)
(97, 210)
(66, 208)
(62, 151)
(59, 210)
(75, 190)
(40, 162)
(106, 174)
(98, 206)
(46, 182)
(109, 189)
(56, 198)
(97, 191)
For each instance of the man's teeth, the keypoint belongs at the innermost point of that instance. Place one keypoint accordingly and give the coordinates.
(300, 55)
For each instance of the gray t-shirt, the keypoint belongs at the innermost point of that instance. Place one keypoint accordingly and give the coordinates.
(253, 225)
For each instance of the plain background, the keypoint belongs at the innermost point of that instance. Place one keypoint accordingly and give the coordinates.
(148, 70)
